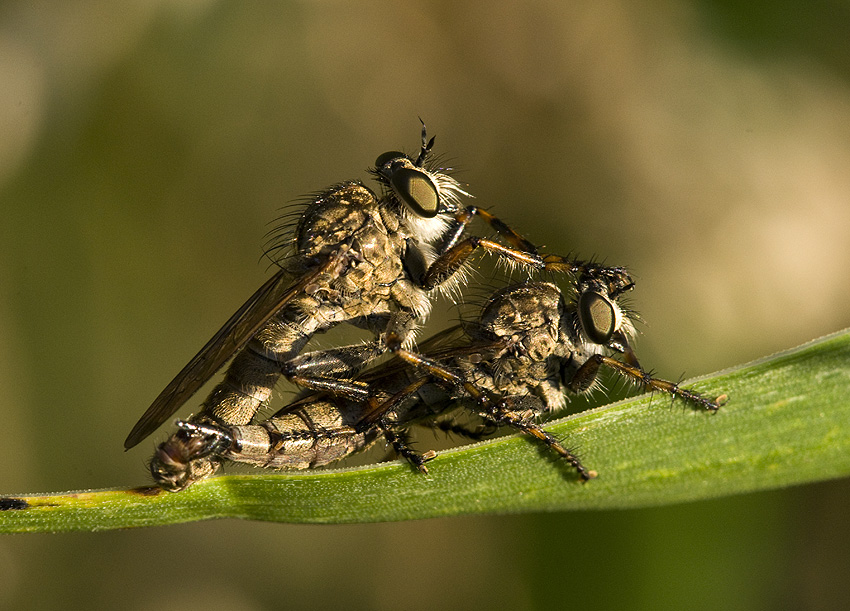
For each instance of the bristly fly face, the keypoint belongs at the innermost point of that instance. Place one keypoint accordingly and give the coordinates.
(529, 347)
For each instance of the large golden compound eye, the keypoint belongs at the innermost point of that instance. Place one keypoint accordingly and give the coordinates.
(412, 185)
(597, 317)
(417, 190)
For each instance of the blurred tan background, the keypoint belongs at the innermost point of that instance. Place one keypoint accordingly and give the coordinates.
(146, 145)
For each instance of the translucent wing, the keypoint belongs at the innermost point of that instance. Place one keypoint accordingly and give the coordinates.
(447, 338)
(230, 339)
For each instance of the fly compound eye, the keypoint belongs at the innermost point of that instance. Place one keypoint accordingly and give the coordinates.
(416, 189)
(597, 316)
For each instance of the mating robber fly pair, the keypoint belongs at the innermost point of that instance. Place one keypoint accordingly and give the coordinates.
(375, 260)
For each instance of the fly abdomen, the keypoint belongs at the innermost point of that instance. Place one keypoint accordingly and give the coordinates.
(253, 373)
(298, 440)
(248, 384)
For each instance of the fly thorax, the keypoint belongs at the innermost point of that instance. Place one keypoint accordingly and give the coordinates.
(337, 214)
(526, 308)
(540, 345)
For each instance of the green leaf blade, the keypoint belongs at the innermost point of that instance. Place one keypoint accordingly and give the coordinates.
(787, 422)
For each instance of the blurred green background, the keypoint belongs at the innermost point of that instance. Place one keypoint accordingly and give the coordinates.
(146, 145)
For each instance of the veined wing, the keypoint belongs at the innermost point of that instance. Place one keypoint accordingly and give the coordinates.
(230, 339)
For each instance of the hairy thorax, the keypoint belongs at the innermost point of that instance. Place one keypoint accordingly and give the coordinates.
(372, 279)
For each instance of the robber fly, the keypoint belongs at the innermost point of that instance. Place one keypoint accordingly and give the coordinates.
(529, 347)
(367, 259)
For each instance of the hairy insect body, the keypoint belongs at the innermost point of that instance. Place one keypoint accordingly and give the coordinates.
(529, 348)
(373, 281)
(303, 439)
(530, 319)
(368, 289)
(372, 260)
(518, 349)
(352, 256)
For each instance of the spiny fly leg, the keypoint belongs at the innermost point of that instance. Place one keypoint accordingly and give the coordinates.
(400, 443)
(465, 217)
(456, 252)
(375, 413)
(586, 374)
(615, 280)
(332, 370)
(503, 414)
(492, 407)
(453, 259)
(436, 371)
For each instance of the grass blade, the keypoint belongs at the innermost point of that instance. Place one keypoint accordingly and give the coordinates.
(787, 422)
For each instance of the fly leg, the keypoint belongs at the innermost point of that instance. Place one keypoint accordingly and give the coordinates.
(584, 377)
(497, 409)
(465, 217)
(376, 413)
(453, 259)
(521, 251)
(455, 252)
(502, 413)
(401, 444)
(333, 370)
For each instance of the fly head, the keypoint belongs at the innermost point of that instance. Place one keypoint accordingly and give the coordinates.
(423, 192)
(601, 320)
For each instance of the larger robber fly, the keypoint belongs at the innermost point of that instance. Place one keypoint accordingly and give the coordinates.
(530, 347)
(369, 259)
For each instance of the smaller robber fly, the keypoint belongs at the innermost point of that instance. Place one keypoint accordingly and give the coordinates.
(352, 256)
(529, 347)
